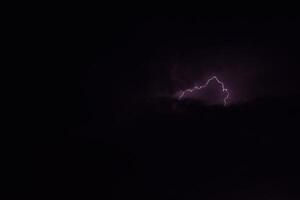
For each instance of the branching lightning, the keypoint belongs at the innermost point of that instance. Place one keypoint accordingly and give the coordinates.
(190, 90)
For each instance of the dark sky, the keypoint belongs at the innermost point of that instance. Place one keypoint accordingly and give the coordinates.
(149, 57)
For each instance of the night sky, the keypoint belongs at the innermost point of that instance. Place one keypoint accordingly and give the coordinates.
(149, 57)
(135, 140)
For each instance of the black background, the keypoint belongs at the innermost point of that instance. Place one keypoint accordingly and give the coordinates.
(125, 140)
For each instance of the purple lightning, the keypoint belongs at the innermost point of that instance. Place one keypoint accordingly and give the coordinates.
(204, 86)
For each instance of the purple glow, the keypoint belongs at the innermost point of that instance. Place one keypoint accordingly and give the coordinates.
(204, 86)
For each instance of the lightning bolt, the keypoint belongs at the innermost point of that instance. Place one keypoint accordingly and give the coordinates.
(190, 90)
